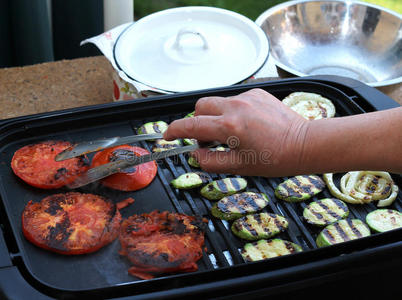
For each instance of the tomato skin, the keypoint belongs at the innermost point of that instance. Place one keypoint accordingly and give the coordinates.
(35, 165)
(71, 223)
(126, 181)
(161, 242)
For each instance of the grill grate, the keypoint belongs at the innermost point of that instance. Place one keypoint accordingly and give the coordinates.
(228, 253)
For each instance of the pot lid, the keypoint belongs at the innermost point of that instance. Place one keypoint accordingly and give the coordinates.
(191, 48)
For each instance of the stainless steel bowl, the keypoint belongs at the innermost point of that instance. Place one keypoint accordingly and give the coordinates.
(346, 38)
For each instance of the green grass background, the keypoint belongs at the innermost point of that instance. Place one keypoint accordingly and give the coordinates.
(249, 8)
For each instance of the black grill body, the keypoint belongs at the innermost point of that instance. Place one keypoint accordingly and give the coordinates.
(26, 270)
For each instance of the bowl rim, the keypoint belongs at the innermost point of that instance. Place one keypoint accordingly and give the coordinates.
(263, 16)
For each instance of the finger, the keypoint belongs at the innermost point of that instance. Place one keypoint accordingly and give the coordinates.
(210, 106)
(227, 162)
(203, 128)
(259, 95)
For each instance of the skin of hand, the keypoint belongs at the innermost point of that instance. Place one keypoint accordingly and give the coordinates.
(264, 135)
(269, 139)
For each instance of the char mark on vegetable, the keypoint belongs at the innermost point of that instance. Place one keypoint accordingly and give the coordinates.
(205, 178)
(340, 204)
(323, 110)
(60, 173)
(289, 247)
(354, 228)
(329, 236)
(235, 183)
(249, 228)
(386, 189)
(149, 259)
(316, 214)
(233, 201)
(291, 191)
(54, 204)
(222, 186)
(341, 232)
(278, 223)
(319, 184)
(250, 202)
(59, 234)
(156, 128)
(329, 210)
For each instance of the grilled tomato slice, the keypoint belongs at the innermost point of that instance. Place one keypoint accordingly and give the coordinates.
(35, 165)
(161, 242)
(130, 179)
(71, 223)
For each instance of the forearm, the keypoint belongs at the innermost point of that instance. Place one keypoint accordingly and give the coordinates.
(371, 141)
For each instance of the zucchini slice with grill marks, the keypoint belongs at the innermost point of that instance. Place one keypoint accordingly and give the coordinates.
(218, 189)
(190, 115)
(381, 220)
(191, 180)
(299, 188)
(359, 187)
(342, 231)
(310, 106)
(153, 127)
(325, 211)
(192, 161)
(265, 249)
(188, 141)
(237, 205)
(163, 145)
(259, 226)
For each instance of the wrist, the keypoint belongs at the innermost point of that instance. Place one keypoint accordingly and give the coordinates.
(295, 147)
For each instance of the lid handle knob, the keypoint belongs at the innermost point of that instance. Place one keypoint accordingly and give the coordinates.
(178, 44)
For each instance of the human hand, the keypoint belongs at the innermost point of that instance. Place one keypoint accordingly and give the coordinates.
(265, 137)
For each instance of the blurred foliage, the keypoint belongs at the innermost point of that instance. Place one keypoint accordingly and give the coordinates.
(395, 5)
(249, 8)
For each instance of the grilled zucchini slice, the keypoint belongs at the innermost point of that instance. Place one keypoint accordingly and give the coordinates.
(299, 188)
(191, 180)
(218, 189)
(259, 226)
(190, 115)
(153, 127)
(192, 161)
(325, 211)
(310, 106)
(361, 187)
(237, 205)
(342, 231)
(187, 141)
(265, 249)
(163, 145)
(381, 220)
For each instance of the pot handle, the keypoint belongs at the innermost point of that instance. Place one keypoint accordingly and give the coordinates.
(193, 31)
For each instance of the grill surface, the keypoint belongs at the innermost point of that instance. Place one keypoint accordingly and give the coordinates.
(105, 271)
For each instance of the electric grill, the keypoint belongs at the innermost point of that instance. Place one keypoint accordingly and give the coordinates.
(28, 272)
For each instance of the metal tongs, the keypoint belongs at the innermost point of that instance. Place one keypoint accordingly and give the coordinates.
(108, 169)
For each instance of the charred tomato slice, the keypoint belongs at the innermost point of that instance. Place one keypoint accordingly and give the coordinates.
(161, 242)
(130, 179)
(71, 223)
(35, 165)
